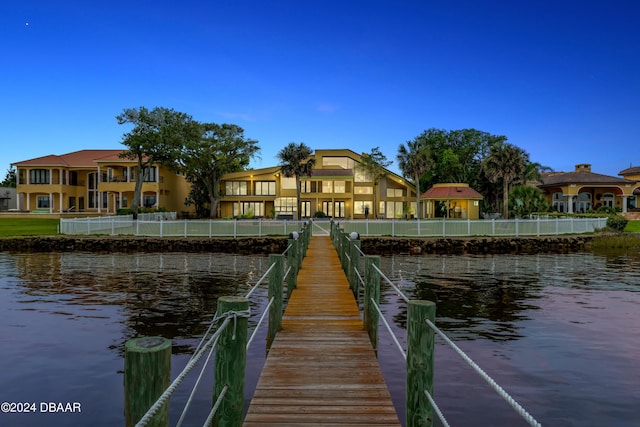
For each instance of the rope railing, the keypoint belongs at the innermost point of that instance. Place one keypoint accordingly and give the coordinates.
(255, 330)
(419, 359)
(164, 397)
(393, 285)
(501, 392)
(219, 337)
(215, 407)
(391, 333)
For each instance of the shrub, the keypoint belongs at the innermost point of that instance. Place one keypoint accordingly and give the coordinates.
(319, 214)
(617, 223)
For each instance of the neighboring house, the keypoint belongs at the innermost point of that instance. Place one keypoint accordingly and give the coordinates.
(337, 187)
(94, 181)
(581, 190)
(451, 200)
(8, 199)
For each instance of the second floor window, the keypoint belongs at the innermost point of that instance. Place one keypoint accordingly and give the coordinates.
(236, 188)
(150, 174)
(265, 188)
(39, 176)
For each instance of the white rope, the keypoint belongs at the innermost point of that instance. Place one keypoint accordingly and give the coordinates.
(195, 386)
(260, 281)
(404, 354)
(169, 391)
(397, 289)
(213, 411)
(436, 409)
(286, 274)
(255, 331)
(510, 400)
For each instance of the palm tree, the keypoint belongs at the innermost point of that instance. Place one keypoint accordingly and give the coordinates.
(373, 165)
(296, 161)
(414, 160)
(506, 163)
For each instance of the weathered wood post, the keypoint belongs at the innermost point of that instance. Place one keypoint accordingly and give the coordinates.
(354, 264)
(371, 292)
(147, 374)
(345, 252)
(275, 291)
(420, 344)
(231, 357)
(292, 260)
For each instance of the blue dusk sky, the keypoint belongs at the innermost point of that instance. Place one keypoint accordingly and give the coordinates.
(560, 79)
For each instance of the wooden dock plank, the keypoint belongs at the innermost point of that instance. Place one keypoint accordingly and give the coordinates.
(321, 369)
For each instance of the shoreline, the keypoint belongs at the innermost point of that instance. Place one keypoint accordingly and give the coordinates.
(276, 245)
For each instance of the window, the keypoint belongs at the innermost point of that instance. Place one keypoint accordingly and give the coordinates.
(148, 201)
(287, 183)
(265, 188)
(306, 209)
(339, 187)
(360, 175)
(39, 176)
(248, 208)
(392, 209)
(360, 207)
(43, 202)
(236, 188)
(307, 186)
(363, 190)
(150, 174)
(285, 205)
(394, 192)
(327, 186)
(341, 162)
(559, 202)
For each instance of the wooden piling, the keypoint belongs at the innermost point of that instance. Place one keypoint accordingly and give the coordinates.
(147, 374)
(275, 291)
(420, 346)
(371, 292)
(231, 357)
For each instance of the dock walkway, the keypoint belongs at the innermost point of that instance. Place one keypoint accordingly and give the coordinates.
(321, 369)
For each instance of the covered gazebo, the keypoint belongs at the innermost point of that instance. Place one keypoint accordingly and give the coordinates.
(451, 200)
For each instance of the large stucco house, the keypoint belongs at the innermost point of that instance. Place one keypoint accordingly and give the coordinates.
(582, 189)
(93, 181)
(100, 182)
(338, 187)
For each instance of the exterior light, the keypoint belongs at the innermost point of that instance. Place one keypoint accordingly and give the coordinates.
(354, 236)
(293, 235)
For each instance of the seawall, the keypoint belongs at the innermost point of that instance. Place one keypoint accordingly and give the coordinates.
(275, 245)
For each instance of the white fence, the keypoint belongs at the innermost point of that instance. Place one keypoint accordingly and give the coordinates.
(126, 225)
(463, 228)
(159, 227)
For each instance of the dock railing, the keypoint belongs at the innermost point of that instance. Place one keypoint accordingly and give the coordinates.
(364, 275)
(148, 359)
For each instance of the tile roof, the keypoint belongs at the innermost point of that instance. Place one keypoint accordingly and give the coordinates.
(630, 171)
(451, 192)
(581, 177)
(82, 158)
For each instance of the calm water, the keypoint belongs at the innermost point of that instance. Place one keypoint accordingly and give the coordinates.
(561, 333)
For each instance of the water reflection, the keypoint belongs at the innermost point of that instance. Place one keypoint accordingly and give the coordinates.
(560, 332)
(171, 294)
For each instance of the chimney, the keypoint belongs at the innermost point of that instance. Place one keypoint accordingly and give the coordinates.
(583, 167)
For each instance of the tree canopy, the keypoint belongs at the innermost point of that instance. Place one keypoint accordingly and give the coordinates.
(507, 164)
(10, 179)
(211, 151)
(152, 140)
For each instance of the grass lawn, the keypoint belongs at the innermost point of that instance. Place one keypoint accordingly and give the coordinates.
(28, 227)
(633, 226)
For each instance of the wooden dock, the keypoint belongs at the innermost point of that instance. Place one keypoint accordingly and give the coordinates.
(321, 369)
